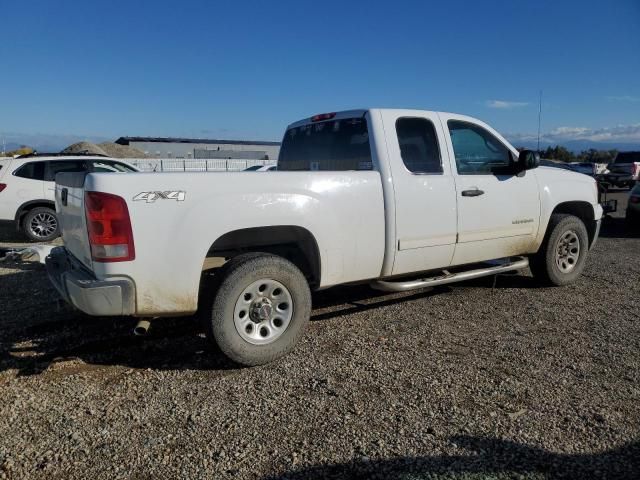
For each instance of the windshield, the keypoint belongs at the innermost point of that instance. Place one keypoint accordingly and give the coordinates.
(330, 146)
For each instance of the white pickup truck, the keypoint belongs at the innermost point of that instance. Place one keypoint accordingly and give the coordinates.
(400, 199)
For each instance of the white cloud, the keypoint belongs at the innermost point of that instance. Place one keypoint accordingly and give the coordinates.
(568, 132)
(504, 104)
(624, 98)
(619, 133)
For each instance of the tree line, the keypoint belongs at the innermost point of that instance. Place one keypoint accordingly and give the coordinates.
(590, 156)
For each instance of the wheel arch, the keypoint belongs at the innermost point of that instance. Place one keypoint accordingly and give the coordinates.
(584, 211)
(31, 204)
(295, 243)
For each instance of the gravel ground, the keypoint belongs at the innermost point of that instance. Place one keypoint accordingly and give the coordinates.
(469, 381)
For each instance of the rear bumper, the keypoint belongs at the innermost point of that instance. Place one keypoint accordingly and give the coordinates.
(82, 290)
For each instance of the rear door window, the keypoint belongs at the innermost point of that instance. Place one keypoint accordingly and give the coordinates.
(335, 145)
(31, 170)
(418, 145)
(62, 166)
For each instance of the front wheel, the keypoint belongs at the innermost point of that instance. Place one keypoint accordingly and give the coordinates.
(40, 224)
(260, 308)
(563, 253)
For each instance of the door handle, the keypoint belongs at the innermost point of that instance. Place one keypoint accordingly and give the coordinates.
(472, 193)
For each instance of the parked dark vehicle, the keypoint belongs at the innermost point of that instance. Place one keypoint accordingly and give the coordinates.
(624, 170)
(633, 209)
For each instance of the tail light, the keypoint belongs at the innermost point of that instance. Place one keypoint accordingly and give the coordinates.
(3, 186)
(109, 227)
(634, 199)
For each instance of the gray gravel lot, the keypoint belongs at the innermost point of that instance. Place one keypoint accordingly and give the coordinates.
(462, 382)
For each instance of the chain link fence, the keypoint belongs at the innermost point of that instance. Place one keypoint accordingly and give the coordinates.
(194, 165)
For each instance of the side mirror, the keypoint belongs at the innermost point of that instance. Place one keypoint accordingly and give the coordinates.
(528, 160)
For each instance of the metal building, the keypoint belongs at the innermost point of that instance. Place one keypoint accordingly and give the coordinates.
(198, 148)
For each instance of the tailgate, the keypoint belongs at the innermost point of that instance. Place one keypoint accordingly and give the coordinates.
(70, 208)
(622, 168)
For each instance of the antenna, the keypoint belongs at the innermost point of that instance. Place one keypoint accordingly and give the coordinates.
(539, 118)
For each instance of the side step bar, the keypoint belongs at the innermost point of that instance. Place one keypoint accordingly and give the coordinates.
(500, 266)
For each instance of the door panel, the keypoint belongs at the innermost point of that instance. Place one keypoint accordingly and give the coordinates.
(26, 185)
(424, 190)
(498, 212)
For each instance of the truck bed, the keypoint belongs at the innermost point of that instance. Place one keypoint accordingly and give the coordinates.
(177, 217)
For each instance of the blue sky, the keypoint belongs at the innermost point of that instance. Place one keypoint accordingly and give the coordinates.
(244, 70)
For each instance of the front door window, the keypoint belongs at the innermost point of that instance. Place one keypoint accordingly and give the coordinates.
(477, 151)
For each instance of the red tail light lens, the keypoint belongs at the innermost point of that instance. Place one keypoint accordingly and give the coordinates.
(3, 186)
(634, 199)
(109, 227)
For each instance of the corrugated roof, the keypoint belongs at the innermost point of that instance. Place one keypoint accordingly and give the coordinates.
(128, 140)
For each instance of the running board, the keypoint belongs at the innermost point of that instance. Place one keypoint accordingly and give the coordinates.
(506, 265)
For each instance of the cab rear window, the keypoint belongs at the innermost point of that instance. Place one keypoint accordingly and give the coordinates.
(335, 145)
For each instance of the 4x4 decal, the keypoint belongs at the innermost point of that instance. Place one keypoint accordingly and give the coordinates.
(149, 197)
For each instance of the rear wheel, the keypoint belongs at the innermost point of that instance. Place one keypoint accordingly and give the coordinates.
(563, 253)
(40, 224)
(260, 308)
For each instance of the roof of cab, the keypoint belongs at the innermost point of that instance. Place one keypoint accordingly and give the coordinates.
(335, 116)
(362, 111)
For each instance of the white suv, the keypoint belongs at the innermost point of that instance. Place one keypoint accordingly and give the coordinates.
(27, 186)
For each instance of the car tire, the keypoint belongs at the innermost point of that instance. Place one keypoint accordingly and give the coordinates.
(260, 306)
(41, 224)
(562, 256)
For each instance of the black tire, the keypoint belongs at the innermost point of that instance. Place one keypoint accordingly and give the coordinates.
(235, 278)
(41, 224)
(544, 264)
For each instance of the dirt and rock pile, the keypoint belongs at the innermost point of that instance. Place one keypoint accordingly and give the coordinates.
(107, 149)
